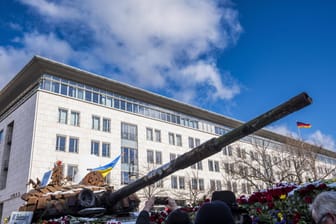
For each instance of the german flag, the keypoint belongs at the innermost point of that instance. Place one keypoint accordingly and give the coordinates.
(303, 125)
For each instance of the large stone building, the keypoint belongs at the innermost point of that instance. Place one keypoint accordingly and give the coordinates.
(50, 111)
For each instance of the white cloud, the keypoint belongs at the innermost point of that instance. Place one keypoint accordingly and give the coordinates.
(283, 130)
(317, 138)
(148, 43)
(13, 59)
(323, 140)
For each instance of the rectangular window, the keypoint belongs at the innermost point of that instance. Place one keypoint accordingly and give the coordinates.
(60, 143)
(230, 150)
(95, 148)
(129, 132)
(181, 183)
(157, 135)
(55, 87)
(64, 89)
(172, 156)
(197, 142)
(72, 91)
(158, 157)
(216, 164)
(174, 182)
(88, 95)
(149, 134)
(72, 171)
(171, 138)
(178, 140)
(106, 125)
(225, 151)
(150, 156)
(105, 149)
(191, 142)
(73, 145)
(218, 185)
(159, 184)
(80, 94)
(194, 184)
(62, 116)
(210, 164)
(95, 123)
(212, 185)
(200, 165)
(201, 184)
(74, 118)
(226, 168)
(125, 179)
(129, 156)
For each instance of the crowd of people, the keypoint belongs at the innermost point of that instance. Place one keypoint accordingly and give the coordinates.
(220, 211)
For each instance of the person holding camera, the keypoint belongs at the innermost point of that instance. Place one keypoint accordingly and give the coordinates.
(175, 217)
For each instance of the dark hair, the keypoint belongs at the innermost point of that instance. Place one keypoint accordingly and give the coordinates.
(215, 212)
(178, 217)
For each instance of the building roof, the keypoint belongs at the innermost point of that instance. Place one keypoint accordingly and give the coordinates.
(29, 76)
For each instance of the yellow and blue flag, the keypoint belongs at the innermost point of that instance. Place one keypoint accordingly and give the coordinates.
(104, 170)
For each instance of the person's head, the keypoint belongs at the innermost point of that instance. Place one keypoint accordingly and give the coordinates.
(216, 212)
(323, 208)
(178, 217)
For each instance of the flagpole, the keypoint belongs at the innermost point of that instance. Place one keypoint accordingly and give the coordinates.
(299, 131)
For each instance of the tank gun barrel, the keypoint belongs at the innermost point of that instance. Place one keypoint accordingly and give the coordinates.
(213, 146)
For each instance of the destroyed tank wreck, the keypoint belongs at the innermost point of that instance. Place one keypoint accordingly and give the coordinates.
(92, 197)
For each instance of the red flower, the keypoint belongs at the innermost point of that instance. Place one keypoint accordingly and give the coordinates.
(308, 200)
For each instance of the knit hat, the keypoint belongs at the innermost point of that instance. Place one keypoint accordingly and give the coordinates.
(216, 212)
(178, 217)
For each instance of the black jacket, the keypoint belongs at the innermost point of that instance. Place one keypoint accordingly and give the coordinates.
(143, 218)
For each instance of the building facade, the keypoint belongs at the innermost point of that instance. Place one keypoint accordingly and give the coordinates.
(51, 111)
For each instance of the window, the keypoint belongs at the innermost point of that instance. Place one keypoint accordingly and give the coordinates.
(226, 168)
(62, 116)
(60, 143)
(234, 187)
(73, 145)
(218, 185)
(105, 149)
(106, 125)
(157, 135)
(174, 182)
(159, 184)
(194, 184)
(129, 155)
(200, 165)
(172, 156)
(181, 183)
(216, 163)
(191, 142)
(225, 151)
(129, 132)
(149, 134)
(212, 185)
(197, 142)
(95, 123)
(125, 177)
(230, 150)
(211, 165)
(72, 171)
(95, 148)
(228, 186)
(158, 157)
(171, 138)
(178, 140)
(74, 118)
(150, 156)
(201, 184)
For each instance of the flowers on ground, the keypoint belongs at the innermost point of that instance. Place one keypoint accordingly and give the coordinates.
(285, 203)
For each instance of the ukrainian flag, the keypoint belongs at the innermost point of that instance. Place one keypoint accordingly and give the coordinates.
(104, 170)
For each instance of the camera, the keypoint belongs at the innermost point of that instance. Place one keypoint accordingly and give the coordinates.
(160, 201)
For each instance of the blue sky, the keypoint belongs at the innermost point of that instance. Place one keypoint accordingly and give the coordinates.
(238, 58)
